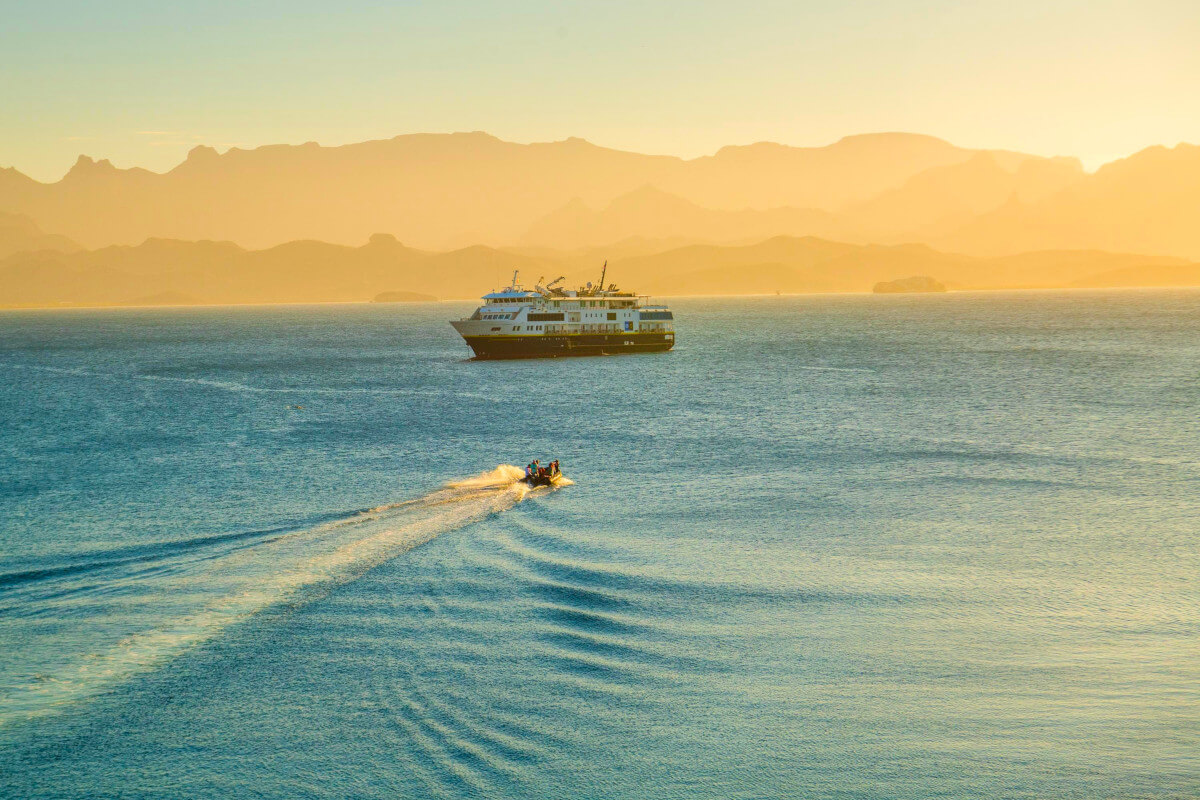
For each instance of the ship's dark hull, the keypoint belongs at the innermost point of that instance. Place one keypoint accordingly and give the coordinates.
(580, 344)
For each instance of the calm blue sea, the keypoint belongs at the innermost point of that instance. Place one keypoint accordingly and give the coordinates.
(830, 547)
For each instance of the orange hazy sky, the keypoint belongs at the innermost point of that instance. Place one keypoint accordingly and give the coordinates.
(141, 82)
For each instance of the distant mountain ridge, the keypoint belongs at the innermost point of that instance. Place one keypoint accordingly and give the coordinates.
(449, 190)
(19, 233)
(649, 212)
(171, 272)
(223, 272)
(930, 204)
(1146, 203)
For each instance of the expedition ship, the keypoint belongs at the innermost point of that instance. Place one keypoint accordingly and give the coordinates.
(549, 321)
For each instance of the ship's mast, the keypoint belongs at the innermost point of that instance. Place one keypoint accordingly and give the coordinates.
(603, 272)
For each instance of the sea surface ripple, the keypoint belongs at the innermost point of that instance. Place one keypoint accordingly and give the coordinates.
(830, 547)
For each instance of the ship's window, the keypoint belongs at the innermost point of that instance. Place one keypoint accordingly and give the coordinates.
(612, 315)
(516, 327)
(496, 328)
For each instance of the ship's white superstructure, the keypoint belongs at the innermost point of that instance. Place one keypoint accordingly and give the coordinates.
(551, 321)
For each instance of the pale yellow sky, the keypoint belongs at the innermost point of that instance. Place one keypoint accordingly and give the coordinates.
(141, 83)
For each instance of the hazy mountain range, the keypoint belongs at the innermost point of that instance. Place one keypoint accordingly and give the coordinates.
(169, 272)
(19, 233)
(931, 205)
(443, 190)
(285, 223)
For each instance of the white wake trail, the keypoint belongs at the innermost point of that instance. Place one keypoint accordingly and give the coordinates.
(245, 582)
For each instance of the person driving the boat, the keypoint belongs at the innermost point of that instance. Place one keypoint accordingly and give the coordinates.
(554, 467)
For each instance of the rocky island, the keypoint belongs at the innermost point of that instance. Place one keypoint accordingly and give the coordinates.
(917, 283)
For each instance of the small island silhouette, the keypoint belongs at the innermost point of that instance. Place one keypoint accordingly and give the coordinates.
(917, 283)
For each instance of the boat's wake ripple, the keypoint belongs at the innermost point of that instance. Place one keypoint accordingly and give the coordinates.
(198, 587)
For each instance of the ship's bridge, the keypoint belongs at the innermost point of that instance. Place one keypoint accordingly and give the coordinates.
(510, 296)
